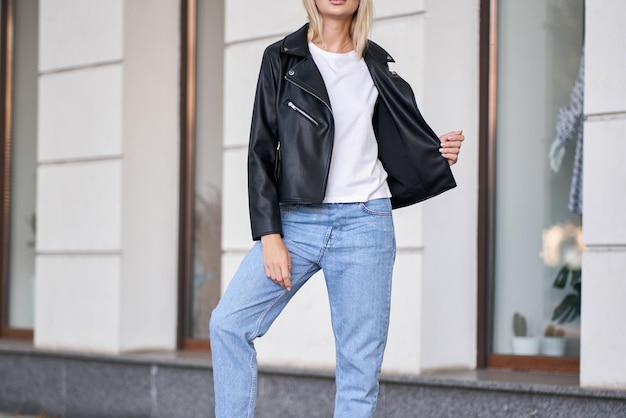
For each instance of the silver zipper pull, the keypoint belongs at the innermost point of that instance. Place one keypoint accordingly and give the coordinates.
(303, 113)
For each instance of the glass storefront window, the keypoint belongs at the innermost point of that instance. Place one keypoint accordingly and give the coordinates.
(205, 283)
(20, 257)
(538, 220)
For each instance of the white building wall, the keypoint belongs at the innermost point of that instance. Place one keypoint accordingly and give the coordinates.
(302, 335)
(604, 230)
(107, 193)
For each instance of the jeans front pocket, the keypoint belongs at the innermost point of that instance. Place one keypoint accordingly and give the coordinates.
(378, 207)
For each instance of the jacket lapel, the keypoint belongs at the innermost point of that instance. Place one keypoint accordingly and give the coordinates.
(304, 73)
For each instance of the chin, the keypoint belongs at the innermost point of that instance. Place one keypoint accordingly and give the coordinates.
(337, 8)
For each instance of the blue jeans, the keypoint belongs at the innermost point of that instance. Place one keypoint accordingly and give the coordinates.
(354, 244)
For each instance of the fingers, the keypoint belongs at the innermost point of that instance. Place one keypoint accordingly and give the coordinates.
(451, 145)
(280, 274)
(450, 151)
(276, 260)
(286, 277)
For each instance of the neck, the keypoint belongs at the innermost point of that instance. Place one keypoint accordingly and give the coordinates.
(335, 35)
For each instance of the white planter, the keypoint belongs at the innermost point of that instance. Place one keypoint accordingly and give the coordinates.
(553, 346)
(525, 346)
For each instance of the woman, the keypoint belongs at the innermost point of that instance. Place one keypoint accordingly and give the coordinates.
(336, 141)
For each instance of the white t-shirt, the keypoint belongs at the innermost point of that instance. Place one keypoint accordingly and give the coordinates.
(356, 173)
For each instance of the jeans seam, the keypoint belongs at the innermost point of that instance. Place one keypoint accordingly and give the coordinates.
(301, 275)
(253, 394)
(325, 245)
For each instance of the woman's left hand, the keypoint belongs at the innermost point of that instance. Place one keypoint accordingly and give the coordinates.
(451, 145)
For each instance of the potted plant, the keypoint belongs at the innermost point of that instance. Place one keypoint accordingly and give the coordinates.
(523, 345)
(553, 341)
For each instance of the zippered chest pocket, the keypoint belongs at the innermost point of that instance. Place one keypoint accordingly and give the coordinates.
(295, 108)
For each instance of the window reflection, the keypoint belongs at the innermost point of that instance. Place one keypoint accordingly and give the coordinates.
(205, 288)
(207, 263)
(538, 213)
(21, 252)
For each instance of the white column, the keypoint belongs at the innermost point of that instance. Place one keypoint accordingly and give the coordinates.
(149, 286)
(448, 302)
(604, 225)
(107, 191)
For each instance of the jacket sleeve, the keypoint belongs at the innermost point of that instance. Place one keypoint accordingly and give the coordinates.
(263, 197)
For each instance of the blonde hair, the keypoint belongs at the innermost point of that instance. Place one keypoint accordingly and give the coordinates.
(359, 30)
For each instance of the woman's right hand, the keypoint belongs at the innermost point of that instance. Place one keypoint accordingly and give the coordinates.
(276, 260)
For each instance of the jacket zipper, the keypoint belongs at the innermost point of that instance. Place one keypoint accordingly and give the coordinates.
(331, 147)
(310, 92)
(303, 113)
(277, 163)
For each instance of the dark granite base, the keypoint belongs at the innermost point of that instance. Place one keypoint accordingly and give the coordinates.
(183, 392)
(281, 396)
(31, 384)
(402, 401)
(180, 385)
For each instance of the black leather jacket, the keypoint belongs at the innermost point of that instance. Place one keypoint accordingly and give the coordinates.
(292, 133)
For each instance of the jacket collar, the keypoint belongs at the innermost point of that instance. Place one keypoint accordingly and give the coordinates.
(375, 52)
(297, 44)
